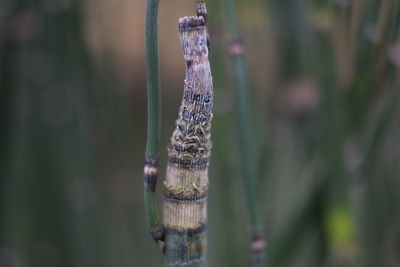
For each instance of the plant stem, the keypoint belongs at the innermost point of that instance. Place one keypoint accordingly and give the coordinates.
(186, 183)
(245, 134)
(153, 123)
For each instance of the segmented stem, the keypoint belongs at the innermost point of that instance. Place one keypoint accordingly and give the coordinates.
(186, 183)
(153, 123)
(235, 50)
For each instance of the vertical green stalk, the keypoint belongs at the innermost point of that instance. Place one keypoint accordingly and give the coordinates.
(245, 133)
(153, 122)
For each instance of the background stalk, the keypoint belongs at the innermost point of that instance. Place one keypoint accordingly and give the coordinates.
(153, 122)
(235, 50)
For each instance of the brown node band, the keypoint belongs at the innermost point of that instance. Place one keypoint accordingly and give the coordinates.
(151, 181)
(150, 176)
(158, 233)
(190, 231)
(191, 23)
(189, 163)
(178, 198)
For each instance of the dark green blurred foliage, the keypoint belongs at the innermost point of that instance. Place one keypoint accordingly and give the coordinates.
(324, 78)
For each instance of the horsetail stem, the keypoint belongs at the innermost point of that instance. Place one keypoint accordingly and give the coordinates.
(186, 182)
(153, 123)
(235, 50)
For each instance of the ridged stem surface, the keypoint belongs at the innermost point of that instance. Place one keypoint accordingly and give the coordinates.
(186, 183)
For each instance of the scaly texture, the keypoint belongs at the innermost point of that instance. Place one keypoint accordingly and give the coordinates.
(186, 183)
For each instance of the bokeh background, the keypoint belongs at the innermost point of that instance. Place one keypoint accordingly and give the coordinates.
(324, 83)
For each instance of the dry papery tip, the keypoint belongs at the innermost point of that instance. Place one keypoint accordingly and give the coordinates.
(191, 23)
(201, 9)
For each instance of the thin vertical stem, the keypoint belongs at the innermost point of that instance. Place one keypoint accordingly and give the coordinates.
(153, 80)
(153, 122)
(245, 133)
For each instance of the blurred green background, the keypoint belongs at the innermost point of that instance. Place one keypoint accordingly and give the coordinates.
(324, 80)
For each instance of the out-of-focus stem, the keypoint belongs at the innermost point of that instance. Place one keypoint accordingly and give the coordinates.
(153, 122)
(245, 133)
(356, 15)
